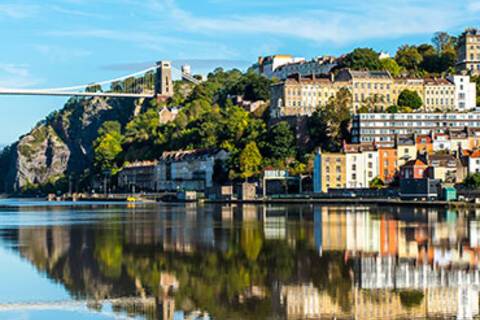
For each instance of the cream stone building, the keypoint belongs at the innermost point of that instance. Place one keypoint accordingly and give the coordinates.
(372, 88)
(301, 96)
(439, 95)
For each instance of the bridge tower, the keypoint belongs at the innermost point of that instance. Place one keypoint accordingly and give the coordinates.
(163, 79)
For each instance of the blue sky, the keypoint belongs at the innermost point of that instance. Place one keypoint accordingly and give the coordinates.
(53, 43)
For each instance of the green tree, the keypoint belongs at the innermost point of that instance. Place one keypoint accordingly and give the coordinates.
(391, 66)
(409, 98)
(363, 58)
(472, 181)
(143, 127)
(279, 144)
(443, 41)
(108, 146)
(329, 126)
(250, 160)
(392, 109)
(408, 57)
(376, 183)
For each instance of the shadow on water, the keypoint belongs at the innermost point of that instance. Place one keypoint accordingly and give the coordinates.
(255, 262)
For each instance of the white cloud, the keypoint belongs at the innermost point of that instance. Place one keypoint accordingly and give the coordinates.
(340, 25)
(18, 11)
(61, 54)
(16, 76)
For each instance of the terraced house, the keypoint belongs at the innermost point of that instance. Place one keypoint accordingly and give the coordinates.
(439, 95)
(301, 96)
(369, 88)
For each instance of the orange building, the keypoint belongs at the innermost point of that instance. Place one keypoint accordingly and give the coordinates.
(387, 158)
(424, 144)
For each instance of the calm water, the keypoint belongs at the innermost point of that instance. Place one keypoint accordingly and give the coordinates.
(232, 262)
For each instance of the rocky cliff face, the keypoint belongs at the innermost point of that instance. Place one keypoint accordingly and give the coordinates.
(61, 145)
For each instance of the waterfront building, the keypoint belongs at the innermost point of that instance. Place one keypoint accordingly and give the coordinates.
(414, 169)
(468, 52)
(329, 171)
(447, 168)
(138, 176)
(187, 169)
(301, 96)
(361, 165)
(387, 164)
(406, 149)
(382, 128)
(465, 93)
(373, 88)
(474, 162)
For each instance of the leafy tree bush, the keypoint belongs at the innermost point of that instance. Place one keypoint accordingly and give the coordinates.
(329, 126)
(409, 98)
(363, 58)
(108, 146)
(472, 181)
(250, 160)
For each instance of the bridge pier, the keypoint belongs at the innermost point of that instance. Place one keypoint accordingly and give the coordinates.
(163, 80)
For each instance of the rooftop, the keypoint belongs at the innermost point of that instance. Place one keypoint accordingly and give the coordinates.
(188, 154)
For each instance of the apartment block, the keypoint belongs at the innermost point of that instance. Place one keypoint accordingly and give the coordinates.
(382, 128)
(468, 52)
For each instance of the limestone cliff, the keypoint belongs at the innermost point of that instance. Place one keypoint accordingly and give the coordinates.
(61, 145)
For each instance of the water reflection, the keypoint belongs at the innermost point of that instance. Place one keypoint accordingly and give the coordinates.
(259, 262)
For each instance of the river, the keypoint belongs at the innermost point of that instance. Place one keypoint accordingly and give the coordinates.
(200, 261)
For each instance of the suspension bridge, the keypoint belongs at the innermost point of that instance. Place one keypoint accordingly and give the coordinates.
(148, 83)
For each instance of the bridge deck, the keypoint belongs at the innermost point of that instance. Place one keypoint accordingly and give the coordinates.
(69, 94)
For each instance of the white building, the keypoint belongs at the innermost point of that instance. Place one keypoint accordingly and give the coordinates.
(316, 66)
(269, 64)
(474, 162)
(441, 142)
(361, 165)
(465, 92)
(190, 170)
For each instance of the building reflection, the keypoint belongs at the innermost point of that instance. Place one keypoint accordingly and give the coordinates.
(251, 262)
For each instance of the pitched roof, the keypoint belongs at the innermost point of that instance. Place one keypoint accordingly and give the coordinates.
(475, 154)
(437, 82)
(415, 162)
(188, 154)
